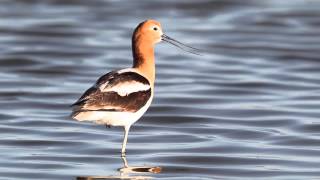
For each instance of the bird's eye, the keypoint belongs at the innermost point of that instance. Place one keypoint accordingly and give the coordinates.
(155, 28)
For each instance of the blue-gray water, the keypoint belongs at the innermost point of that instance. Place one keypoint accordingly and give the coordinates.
(247, 109)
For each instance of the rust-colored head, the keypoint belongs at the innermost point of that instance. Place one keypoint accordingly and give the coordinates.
(144, 37)
(149, 31)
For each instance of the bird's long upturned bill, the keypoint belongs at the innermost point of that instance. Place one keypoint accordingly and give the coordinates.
(180, 45)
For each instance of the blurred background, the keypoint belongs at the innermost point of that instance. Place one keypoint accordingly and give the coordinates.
(248, 108)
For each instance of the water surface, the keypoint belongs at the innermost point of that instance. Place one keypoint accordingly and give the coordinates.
(247, 109)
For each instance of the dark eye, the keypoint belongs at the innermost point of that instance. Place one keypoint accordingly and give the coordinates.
(155, 28)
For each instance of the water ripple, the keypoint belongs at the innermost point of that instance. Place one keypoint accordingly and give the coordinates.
(246, 109)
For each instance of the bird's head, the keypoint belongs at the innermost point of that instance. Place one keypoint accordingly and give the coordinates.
(150, 32)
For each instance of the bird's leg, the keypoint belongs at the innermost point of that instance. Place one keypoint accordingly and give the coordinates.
(125, 139)
(125, 162)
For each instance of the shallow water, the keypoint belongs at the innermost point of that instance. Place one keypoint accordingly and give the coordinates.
(248, 108)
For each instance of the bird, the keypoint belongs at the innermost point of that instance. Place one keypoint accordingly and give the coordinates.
(121, 97)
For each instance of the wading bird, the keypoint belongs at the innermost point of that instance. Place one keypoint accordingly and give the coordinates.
(121, 97)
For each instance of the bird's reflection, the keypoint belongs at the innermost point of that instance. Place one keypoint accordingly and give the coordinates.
(127, 172)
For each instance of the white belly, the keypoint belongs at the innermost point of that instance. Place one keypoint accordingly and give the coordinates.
(113, 118)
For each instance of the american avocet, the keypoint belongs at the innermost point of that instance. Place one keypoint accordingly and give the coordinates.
(120, 98)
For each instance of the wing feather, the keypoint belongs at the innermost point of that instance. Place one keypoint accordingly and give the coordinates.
(115, 91)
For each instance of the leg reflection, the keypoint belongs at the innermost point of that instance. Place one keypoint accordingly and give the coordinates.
(126, 169)
(127, 172)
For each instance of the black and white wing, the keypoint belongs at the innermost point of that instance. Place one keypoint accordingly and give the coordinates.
(116, 91)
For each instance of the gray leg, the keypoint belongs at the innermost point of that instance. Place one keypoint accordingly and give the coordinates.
(125, 162)
(125, 139)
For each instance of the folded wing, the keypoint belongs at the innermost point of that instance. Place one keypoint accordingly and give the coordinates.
(115, 91)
